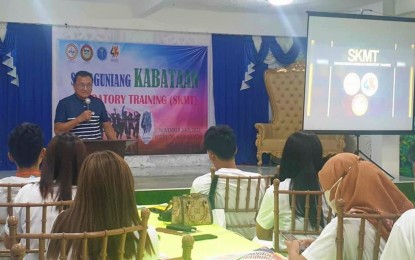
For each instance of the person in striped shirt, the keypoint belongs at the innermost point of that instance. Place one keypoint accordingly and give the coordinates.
(83, 114)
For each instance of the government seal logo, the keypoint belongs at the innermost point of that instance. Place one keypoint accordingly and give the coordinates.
(71, 51)
(87, 52)
(102, 53)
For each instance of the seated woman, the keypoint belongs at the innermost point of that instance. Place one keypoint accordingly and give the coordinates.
(300, 162)
(59, 176)
(104, 200)
(401, 241)
(364, 188)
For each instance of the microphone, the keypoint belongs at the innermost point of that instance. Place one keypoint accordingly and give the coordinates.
(87, 102)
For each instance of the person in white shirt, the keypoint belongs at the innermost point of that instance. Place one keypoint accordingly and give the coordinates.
(61, 165)
(25, 144)
(220, 143)
(401, 241)
(301, 160)
(365, 189)
(104, 200)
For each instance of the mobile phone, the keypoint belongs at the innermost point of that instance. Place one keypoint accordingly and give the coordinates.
(204, 237)
(181, 227)
(288, 236)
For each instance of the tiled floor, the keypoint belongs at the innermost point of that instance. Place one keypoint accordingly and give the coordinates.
(180, 177)
(163, 177)
(171, 176)
(176, 171)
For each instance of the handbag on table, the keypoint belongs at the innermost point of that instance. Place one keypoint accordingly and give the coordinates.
(191, 210)
(194, 209)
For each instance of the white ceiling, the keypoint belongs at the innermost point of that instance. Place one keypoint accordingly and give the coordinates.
(145, 7)
(238, 17)
(264, 6)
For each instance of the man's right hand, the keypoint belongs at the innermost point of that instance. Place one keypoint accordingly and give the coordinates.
(85, 116)
(61, 127)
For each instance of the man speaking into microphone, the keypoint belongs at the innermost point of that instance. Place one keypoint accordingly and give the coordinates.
(83, 114)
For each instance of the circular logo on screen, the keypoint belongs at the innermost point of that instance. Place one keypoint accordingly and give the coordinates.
(360, 104)
(87, 52)
(369, 84)
(351, 84)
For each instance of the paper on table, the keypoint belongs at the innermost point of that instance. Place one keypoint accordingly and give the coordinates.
(261, 253)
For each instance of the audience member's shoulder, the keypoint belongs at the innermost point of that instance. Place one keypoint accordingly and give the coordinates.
(4, 180)
(270, 190)
(15, 179)
(251, 173)
(28, 193)
(28, 188)
(286, 181)
(285, 185)
(235, 172)
(408, 215)
(201, 178)
(201, 183)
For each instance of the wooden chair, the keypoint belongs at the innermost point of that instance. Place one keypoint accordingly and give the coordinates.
(285, 88)
(363, 217)
(306, 228)
(242, 195)
(11, 191)
(187, 246)
(28, 207)
(18, 251)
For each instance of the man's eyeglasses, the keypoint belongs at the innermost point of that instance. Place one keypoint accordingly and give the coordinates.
(84, 86)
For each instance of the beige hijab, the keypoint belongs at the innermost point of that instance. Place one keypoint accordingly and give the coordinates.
(364, 187)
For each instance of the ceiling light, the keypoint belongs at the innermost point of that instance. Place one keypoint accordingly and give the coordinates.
(280, 2)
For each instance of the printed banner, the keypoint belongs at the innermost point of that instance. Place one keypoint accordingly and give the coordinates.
(155, 94)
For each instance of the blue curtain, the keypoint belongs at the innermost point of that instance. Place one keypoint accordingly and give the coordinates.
(31, 48)
(269, 43)
(241, 109)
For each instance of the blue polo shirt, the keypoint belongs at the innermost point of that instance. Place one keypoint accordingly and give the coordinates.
(71, 107)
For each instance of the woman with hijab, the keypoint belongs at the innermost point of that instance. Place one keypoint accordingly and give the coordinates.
(365, 189)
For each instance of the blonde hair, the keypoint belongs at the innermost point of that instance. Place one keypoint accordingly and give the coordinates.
(104, 200)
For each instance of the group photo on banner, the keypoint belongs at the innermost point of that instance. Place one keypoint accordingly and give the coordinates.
(156, 95)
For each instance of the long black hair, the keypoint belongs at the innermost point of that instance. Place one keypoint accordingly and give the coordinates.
(301, 160)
